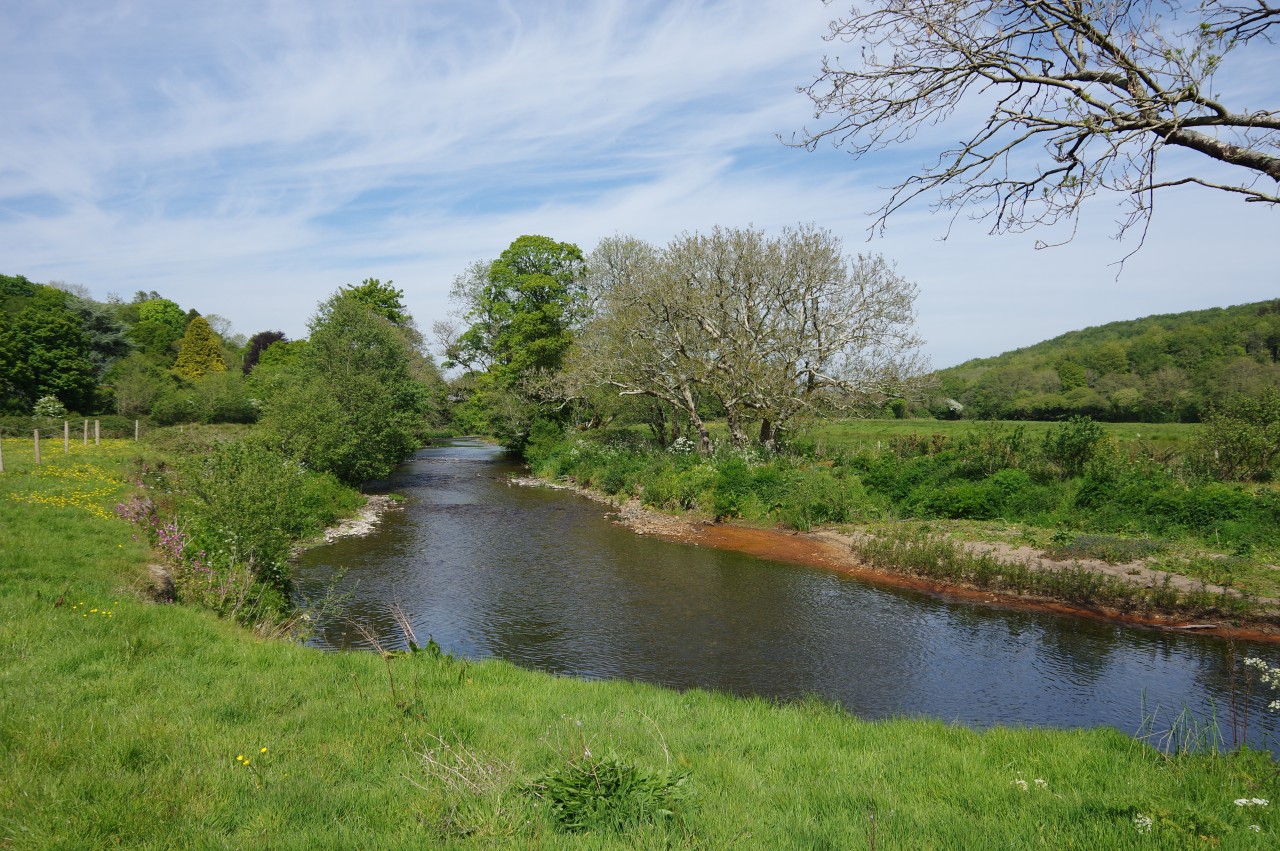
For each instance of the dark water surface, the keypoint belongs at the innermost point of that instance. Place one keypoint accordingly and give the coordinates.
(544, 579)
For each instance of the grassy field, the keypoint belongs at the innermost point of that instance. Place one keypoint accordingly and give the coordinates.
(124, 723)
(851, 435)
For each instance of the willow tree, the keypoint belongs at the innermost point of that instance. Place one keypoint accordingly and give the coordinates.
(774, 329)
(1055, 100)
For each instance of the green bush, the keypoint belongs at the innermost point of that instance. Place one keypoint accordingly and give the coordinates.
(817, 495)
(1073, 444)
(732, 485)
(246, 504)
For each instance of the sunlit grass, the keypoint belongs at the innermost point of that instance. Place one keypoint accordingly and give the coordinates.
(160, 726)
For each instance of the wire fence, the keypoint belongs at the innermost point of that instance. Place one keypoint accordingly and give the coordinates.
(53, 436)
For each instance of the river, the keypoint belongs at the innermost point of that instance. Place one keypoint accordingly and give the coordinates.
(546, 580)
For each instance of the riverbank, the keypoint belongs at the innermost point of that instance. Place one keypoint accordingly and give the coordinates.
(834, 548)
(126, 723)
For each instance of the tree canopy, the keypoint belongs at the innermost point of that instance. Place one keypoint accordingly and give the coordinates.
(1159, 368)
(771, 329)
(519, 309)
(350, 404)
(1102, 88)
(44, 351)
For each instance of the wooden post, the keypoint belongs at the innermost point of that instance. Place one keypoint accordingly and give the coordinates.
(86, 432)
(1, 451)
(135, 431)
(66, 437)
(37, 431)
(97, 436)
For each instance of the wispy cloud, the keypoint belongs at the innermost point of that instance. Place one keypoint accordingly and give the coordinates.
(246, 159)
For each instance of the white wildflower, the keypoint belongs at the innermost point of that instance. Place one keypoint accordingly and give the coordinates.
(1142, 823)
(1252, 802)
(1041, 783)
(1020, 783)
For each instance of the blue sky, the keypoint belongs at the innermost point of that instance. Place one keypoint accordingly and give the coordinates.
(247, 158)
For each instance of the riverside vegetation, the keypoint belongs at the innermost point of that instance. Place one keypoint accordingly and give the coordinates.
(124, 722)
(1071, 490)
(128, 723)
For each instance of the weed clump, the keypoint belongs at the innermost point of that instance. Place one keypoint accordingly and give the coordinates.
(608, 793)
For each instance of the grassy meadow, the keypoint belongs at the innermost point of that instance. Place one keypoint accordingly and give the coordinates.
(854, 435)
(127, 723)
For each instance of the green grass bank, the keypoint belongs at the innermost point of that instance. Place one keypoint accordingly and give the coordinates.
(127, 723)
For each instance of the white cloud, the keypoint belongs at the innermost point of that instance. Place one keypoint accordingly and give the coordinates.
(246, 160)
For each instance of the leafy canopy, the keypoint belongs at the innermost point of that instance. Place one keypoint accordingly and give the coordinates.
(522, 309)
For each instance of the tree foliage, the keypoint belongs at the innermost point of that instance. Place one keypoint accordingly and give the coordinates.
(44, 351)
(257, 344)
(520, 310)
(159, 327)
(1240, 439)
(1102, 88)
(1160, 368)
(383, 299)
(351, 405)
(200, 351)
(767, 329)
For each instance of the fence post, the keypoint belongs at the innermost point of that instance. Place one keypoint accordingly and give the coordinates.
(86, 432)
(135, 431)
(37, 432)
(1, 450)
(97, 437)
(66, 437)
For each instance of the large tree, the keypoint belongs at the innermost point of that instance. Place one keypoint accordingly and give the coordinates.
(160, 326)
(1102, 87)
(771, 328)
(351, 405)
(45, 351)
(519, 310)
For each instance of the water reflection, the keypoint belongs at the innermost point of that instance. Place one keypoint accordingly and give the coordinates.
(546, 580)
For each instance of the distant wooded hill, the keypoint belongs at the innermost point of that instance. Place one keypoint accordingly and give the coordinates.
(1167, 368)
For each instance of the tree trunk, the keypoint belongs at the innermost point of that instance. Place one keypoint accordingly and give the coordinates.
(767, 433)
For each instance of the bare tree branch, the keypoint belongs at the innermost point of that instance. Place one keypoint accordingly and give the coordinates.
(1101, 87)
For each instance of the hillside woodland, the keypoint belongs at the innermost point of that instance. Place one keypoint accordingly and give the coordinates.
(1166, 368)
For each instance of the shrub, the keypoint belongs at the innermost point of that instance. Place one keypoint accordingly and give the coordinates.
(1073, 444)
(732, 485)
(49, 406)
(248, 503)
(817, 495)
(1240, 440)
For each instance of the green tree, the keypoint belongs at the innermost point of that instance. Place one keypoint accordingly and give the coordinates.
(1240, 438)
(258, 344)
(521, 310)
(160, 326)
(201, 351)
(350, 405)
(1071, 375)
(47, 353)
(137, 382)
(383, 299)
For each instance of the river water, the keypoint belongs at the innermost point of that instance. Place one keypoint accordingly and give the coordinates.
(545, 579)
